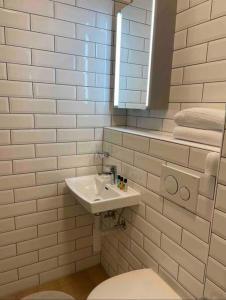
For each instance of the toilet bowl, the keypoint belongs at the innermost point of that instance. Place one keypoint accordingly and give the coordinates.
(141, 284)
(49, 295)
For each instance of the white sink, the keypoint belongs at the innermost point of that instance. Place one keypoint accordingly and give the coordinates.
(96, 194)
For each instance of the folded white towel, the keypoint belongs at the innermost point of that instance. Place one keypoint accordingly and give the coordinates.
(202, 118)
(208, 137)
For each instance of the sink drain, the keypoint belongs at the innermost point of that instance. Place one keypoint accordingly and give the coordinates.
(98, 199)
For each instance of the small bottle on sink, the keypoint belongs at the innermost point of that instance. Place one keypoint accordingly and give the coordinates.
(121, 186)
(125, 185)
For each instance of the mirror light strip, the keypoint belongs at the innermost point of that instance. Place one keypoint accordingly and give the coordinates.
(150, 51)
(118, 57)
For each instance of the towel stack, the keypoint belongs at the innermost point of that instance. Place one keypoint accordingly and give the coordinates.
(201, 125)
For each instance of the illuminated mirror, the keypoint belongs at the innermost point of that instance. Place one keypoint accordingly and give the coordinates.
(144, 46)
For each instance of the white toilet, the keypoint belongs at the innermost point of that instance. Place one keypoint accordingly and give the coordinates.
(141, 284)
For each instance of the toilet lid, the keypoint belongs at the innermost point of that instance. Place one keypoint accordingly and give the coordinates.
(49, 295)
(140, 284)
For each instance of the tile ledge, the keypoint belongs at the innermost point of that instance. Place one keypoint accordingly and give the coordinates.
(162, 136)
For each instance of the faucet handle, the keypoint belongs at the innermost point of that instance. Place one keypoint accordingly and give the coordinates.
(114, 169)
(103, 155)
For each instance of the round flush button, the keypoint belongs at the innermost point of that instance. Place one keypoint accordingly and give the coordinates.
(184, 193)
(171, 185)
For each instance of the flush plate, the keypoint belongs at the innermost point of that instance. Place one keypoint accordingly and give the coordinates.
(180, 187)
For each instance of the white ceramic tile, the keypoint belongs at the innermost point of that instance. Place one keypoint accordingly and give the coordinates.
(212, 290)
(55, 121)
(73, 135)
(105, 21)
(219, 221)
(18, 261)
(164, 225)
(7, 224)
(193, 16)
(52, 26)
(89, 147)
(218, 9)
(4, 103)
(182, 5)
(35, 219)
(8, 251)
(169, 151)
(140, 144)
(54, 91)
(3, 74)
(11, 121)
(34, 165)
(161, 257)
(74, 234)
(187, 220)
(216, 272)
(75, 78)
(93, 94)
(33, 136)
(105, 6)
(91, 34)
(217, 248)
(122, 154)
(195, 246)
(180, 39)
(74, 14)
(10, 18)
(16, 152)
(16, 181)
(29, 39)
(207, 31)
(205, 207)
(186, 93)
(143, 257)
(44, 8)
(15, 88)
(88, 64)
(57, 250)
(54, 176)
(37, 192)
(189, 282)
(190, 56)
(27, 73)
(57, 273)
(134, 174)
(15, 54)
(220, 198)
(12, 210)
(54, 60)
(9, 276)
(6, 197)
(19, 286)
(89, 121)
(216, 50)
(2, 35)
(209, 72)
(26, 105)
(18, 236)
(184, 258)
(53, 227)
(37, 268)
(77, 161)
(56, 149)
(55, 202)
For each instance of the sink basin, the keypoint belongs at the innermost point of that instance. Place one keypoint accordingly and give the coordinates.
(97, 195)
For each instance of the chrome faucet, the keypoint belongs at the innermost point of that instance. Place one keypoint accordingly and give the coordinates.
(112, 172)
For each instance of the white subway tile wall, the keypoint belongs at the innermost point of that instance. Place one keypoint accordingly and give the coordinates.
(198, 72)
(56, 79)
(160, 234)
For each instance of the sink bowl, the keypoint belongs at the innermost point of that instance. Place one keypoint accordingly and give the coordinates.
(96, 194)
